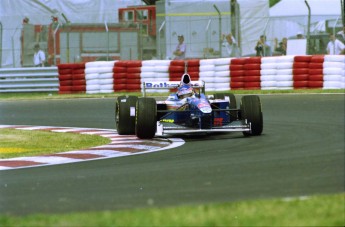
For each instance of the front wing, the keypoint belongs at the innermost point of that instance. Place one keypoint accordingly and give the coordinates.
(235, 126)
(166, 127)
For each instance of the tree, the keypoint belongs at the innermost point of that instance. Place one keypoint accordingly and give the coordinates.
(273, 2)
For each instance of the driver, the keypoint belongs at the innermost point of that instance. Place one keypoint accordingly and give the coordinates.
(185, 89)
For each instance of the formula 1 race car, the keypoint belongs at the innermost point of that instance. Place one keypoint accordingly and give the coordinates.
(188, 110)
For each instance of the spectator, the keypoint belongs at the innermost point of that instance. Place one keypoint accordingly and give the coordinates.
(335, 46)
(300, 35)
(39, 57)
(180, 51)
(229, 45)
(262, 47)
(281, 48)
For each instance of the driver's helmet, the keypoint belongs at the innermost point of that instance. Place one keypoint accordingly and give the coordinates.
(185, 91)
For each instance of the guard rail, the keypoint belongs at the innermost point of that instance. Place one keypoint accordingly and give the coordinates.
(33, 79)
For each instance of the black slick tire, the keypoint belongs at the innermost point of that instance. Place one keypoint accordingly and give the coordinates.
(125, 114)
(146, 118)
(251, 110)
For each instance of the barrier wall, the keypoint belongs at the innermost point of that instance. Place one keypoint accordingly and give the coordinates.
(252, 73)
(71, 78)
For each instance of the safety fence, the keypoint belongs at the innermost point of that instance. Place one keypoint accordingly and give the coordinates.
(266, 73)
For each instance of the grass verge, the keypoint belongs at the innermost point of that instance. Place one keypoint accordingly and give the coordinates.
(320, 210)
(18, 143)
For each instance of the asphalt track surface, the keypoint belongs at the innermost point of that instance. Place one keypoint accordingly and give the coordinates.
(300, 153)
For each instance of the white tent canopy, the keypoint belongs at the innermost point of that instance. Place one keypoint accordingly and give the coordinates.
(297, 10)
(12, 14)
(254, 14)
(288, 17)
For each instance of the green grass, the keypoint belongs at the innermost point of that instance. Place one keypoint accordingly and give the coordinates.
(18, 143)
(320, 210)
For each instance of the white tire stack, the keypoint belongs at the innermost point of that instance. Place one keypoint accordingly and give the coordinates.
(268, 73)
(92, 77)
(284, 76)
(105, 76)
(206, 73)
(222, 74)
(333, 71)
(161, 72)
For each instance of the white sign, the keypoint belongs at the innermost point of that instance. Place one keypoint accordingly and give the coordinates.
(296, 47)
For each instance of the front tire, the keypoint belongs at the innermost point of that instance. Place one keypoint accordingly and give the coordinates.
(125, 114)
(251, 110)
(146, 118)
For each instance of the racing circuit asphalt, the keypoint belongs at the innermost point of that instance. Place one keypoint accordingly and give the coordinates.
(300, 153)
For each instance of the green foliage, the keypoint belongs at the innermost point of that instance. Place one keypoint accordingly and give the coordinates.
(273, 2)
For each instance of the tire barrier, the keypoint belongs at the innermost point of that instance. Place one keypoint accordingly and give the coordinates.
(268, 73)
(316, 72)
(154, 70)
(252, 73)
(72, 78)
(99, 77)
(221, 74)
(206, 73)
(120, 76)
(133, 76)
(284, 75)
(176, 69)
(334, 71)
(237, 73)
(301, 72)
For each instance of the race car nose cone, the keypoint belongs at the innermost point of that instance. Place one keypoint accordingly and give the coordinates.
(206, 109)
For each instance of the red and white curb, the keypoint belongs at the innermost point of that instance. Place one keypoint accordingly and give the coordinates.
(120, 145)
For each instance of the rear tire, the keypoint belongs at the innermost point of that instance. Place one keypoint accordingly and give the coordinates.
(251, 110)
(146, 118)
(232, 101)
(125, 114)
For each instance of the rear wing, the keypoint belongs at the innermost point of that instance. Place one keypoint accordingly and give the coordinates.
(170, 85)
